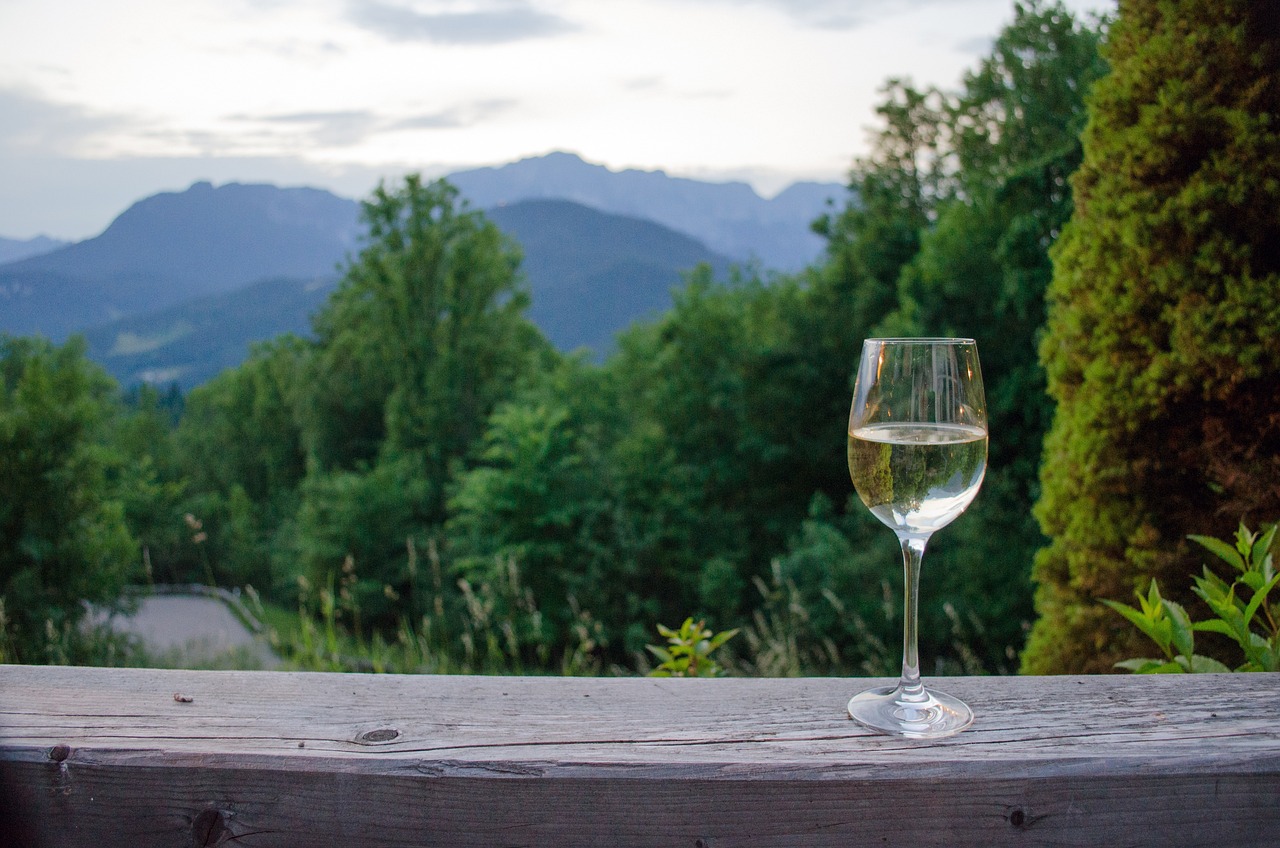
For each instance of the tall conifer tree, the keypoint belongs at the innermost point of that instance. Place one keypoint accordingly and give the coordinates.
(1162, 351)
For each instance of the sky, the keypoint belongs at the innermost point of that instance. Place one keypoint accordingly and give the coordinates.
(104, 102)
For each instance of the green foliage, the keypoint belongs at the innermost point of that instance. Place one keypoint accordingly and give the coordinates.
(488, 628)
(577, 489)
(1160, 350)
(1237, 605)
(981, 272)
(1241, 609)
(421, 341)
(63, 536)
(835, 601)
(426, 332)
(1166, 623)
(564, 507)
(688, 650)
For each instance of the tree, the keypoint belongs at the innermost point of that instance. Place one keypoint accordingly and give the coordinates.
(1161, 349)
(63, 539)
(982, 271)
(423, 338)
(240, 453)
(427, 327)
(893, 196)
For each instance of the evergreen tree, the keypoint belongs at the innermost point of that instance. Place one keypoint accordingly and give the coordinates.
(1161, 349)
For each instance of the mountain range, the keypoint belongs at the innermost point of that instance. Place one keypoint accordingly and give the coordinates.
(730, 218)
(181, 284)
(11, 250)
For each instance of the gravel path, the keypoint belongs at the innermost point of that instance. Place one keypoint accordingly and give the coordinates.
(193, 630)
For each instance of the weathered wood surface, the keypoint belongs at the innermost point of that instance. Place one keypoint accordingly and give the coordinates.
(104, 757)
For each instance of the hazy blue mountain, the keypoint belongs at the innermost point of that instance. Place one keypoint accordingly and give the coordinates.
(730, 218)
(176, 246)
(590, 274)
(181, 283)
(189, 343)
(11, 250)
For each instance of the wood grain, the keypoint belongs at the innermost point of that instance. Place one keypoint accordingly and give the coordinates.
(111, 757)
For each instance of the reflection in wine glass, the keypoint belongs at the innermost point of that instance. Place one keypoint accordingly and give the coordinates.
(917, 455)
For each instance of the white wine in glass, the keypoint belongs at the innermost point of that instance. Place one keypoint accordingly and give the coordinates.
(917, 455)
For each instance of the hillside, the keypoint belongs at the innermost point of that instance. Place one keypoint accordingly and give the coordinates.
(181, 283)
(590, 275)
(174, 247)
(11, 250)
(191, 342)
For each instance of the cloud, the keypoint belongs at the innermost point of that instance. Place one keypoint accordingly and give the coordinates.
(331, 129)
(649, 83)
(496, 22)
(455, 117)
(835, 14)
(37, 125)
(346, 128)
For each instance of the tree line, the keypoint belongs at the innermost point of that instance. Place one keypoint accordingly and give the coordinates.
(426, 460)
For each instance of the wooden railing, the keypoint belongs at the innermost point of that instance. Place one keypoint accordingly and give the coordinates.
(107, 757)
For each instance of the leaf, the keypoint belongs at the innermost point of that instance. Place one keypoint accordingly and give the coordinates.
(1244, 541)
(1164, 668)
(1207, 665)
(1261, 552)
(1183, 636)
(721, 638)
(1213, 581)
(1258, 599)
(1269, 659)
(1221, 549)
(1225, 605)
(1253, 579)
(1141, 665)
(660, 653)
(1214, 625)
(1158, 631)
(1151, 603)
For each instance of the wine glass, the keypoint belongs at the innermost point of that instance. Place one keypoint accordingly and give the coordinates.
(917, 455)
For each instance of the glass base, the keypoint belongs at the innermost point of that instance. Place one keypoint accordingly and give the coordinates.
(931, 715)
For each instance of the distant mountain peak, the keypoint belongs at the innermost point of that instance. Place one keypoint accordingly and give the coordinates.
(12, 250)
(728, 217)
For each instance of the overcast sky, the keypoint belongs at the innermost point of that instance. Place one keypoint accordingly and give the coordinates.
(103, 102)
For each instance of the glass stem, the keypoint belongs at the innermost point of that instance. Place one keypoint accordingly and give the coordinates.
(911, 689)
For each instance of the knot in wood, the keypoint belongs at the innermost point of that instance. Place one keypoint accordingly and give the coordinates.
(209, 828)
(376, 737)
(59, 753)
(1017, 817)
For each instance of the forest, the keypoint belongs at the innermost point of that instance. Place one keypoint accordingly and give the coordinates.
(425, 484)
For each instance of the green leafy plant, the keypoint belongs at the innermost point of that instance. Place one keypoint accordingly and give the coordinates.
(1241, 611)
(688, 651)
